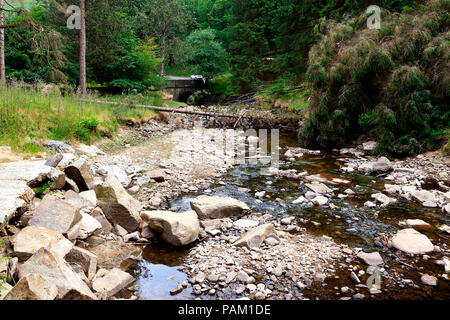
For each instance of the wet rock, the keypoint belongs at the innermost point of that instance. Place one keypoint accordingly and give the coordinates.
(56, 214)
(255, 237)
(111, 253)
(320, 200)
(446, 209)
(371, 259)
(175, 228)
(30, 239)
(218, 207)
(85, 259)
(300, 200)
(32, 287)
(80, 172)
(429, 280)
(112, 282)
(445, 228)
(358, 296)
(15, 197)
(412, 242)
(370, 146)
(370, 204)
(117, 205)
(33, 173)
(423, 196)
(56, 271)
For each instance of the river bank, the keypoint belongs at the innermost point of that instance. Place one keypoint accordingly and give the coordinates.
(315, 227)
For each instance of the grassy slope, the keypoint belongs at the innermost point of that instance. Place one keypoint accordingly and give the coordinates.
(29, 115)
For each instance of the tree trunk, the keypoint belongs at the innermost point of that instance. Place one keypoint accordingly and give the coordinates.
(162, 67)
(83, 90)
(2, 45)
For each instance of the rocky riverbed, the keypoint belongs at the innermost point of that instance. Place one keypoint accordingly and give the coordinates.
(319, 226)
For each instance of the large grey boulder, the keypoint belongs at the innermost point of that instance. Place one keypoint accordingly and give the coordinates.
(218, 207)
(56, 271)
(78, 201)
(412, 242)
(33, 287)
(382, 165)
(318, 188)
(117, 205)
(423, 196)
(255, 237)
(15, 197)
(371, 259)
(32, 238)
(80, 172)
(112, 282)
(56, 214)
(175, 228)
(33, 173)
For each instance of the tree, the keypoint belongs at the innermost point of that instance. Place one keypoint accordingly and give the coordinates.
(163, 19)
(205, 56)
(2, 45)
(83, 90)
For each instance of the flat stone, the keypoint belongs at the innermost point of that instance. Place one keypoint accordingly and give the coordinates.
(218, 207)
(56, 214)
(32, 238)
(33, 173)
(318, 188)
(77, 200)
(412, 242)
(106, 226)
(112, 282)
(255, 237)
(110, 254)
(419, 225)
(429, 280)
(15, 197)
(175, 228)
(157, 175)
(86, 259)
(372, 259)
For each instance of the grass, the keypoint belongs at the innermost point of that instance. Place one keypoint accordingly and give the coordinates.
(30, 115)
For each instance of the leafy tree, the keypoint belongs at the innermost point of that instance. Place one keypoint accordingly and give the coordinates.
(206, 56)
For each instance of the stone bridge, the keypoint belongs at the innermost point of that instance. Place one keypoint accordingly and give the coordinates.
(183, 87)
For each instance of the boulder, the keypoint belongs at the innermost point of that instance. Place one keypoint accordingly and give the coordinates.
(6, 288)
(255, 237)
(419, 225)
(112, 282)
(383, 199)
(446, 209)
(56, 271)
(158, 175)
(382, 165)
(90, 196)
(32, 238)
(177, 229)
(33, 287)
(320, 200)
(370, 146)
(318, 188)
(218, 207)
(110, 254)
(84, 258)
(117, 205)
(429, 280)
(56, 214)
(371, 259)
(53, 161)
(412, 242)
(90, 151)
(423, 196)
(77, 200)
(34, 173)
(15, 197)
(80, 172)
